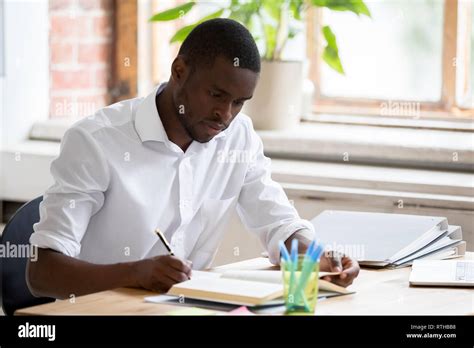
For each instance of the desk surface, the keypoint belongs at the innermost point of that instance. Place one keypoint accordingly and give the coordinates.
(378, 292)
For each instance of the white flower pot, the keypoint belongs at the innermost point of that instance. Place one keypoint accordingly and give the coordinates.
(276, 103)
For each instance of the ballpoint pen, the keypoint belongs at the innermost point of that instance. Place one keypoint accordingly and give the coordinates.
(164, 241)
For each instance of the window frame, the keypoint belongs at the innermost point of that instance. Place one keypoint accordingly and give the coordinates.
(125, 50)
(445, 108)
(2, 40)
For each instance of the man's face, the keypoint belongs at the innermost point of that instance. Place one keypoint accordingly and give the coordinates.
(209, 98)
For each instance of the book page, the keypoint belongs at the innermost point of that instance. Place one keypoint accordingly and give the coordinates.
(204, 275)
(274, 277)
(265, 276)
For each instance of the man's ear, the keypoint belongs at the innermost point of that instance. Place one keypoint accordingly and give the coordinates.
(179, 70)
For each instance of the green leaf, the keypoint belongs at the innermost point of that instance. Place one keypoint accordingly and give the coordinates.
(270, 40)
(356, 6)
(242, 12)
(183, 33)
(331, 51)
(295, 8)
(273, 8)
(173, 13)
(292, 32)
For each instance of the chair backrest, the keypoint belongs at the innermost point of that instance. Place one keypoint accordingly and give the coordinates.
(14, 292)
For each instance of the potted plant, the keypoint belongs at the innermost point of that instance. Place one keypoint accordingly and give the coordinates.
(277, 99)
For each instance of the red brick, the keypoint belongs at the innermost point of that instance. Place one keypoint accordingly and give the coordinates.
(101, 77)
(61, 106)
(63, 26)
(61, 53)
(94, 53)
(79, 79)
(90, 104)
(73, 22)
(60, 4)
(96, 4)
(102, 26)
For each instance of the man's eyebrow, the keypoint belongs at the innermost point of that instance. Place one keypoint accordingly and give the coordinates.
(223, 91)
(220, 90)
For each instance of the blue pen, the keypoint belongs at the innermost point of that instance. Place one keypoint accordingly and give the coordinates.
(310, 249)
(312, 254)
(316, 254)
(294, 251)
(284, 252)
(294, 265)
(307, 269)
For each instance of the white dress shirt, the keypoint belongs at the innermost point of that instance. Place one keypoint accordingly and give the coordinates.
(118, 177)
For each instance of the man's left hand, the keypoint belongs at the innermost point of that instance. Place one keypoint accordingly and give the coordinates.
(331, 261)
(334, 262)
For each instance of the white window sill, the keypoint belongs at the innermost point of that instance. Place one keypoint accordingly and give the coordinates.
(359, 157)
(446, 123)
(26, 175)
(25, 169)
(418, 144)
(369, 144)
(415, 187)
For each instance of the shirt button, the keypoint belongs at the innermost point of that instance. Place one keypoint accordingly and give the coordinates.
(185, 203)
(177, 240)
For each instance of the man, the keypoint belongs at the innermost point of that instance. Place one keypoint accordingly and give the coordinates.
(181, 160)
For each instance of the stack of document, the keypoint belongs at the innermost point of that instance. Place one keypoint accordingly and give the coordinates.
(388, 240)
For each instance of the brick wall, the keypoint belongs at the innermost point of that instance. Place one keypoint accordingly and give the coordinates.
(81, 33)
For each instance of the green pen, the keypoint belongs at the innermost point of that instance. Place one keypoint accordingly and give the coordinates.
(294, 267)
(308, 265)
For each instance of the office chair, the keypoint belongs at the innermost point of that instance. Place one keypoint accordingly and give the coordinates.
(14, 292)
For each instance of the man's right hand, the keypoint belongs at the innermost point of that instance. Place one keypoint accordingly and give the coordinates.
(160, 273)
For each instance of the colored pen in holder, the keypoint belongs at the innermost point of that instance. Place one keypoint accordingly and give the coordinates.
(300, 278)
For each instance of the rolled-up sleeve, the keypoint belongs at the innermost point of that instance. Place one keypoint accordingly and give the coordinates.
(81, 176)
(263, 206)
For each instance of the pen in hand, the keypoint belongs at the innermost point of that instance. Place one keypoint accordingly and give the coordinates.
(164, 241)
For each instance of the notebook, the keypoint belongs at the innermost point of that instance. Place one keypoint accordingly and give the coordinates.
(380, 239)
(442, 273)
(242, 287)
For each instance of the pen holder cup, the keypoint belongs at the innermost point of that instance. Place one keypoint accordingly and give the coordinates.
(300, 286)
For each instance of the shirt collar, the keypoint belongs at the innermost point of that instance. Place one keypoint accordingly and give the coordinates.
(148, 122)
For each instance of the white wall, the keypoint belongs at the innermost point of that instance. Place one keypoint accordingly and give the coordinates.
(25, 93)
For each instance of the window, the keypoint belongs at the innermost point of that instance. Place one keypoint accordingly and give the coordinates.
(24, 78)
(2, 58)
(163, 52)
(465, 71)
(411, 59)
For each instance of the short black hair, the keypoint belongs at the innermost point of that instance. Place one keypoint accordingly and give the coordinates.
(221, 37)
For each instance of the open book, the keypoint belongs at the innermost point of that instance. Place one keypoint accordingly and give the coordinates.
(243, 287)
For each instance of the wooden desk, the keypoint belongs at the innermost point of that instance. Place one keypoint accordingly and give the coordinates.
(378, 292)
